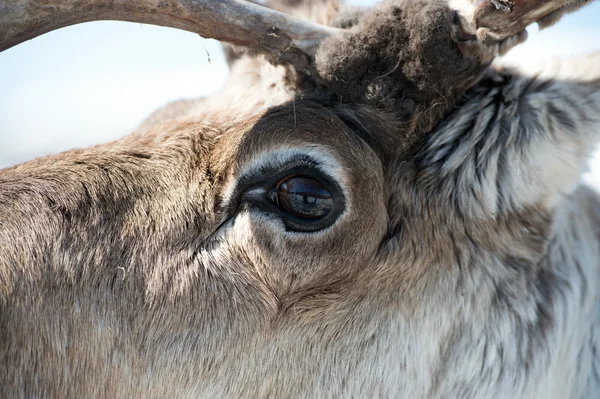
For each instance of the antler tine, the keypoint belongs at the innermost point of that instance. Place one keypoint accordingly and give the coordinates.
(239, 22)
(499, 19)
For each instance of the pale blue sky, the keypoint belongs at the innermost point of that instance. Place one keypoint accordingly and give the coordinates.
(94, 82)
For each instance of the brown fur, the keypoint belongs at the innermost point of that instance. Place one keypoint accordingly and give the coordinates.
(457, 269)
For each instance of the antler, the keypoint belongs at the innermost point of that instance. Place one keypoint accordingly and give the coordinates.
(416, 57)
(500, 19)
(239, 22)
(282, 37)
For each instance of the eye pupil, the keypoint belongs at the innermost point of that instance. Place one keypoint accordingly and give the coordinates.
(303, 197)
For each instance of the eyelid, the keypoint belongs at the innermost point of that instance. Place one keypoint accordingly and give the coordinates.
(251, 189)
(284, 170)
(266, 176)
(265, 163)
(254, 193)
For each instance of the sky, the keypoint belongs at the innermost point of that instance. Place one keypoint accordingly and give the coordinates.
(95, 82)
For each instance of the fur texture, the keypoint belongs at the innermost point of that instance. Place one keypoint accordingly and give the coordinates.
(466, 262)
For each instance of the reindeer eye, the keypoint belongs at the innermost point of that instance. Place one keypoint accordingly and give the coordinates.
(300, 195)
(303, 197)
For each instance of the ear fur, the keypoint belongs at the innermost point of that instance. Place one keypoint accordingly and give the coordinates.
(520, 139)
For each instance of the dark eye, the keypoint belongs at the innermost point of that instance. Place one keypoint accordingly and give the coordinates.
(303, 197)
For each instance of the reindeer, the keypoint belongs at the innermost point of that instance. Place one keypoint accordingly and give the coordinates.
(370, 208)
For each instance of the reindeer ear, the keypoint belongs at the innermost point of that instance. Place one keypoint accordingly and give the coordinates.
(520, 139)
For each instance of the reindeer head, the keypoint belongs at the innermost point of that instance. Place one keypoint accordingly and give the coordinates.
(367, 209)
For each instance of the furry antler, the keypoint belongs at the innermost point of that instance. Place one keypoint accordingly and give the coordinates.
(500, 19)
(416, 56)
(284, 38)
